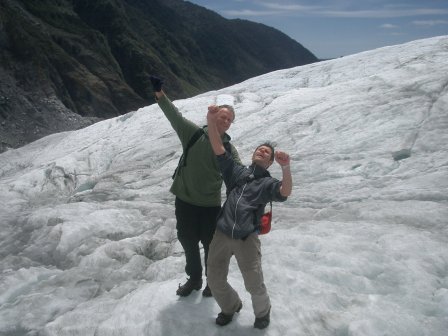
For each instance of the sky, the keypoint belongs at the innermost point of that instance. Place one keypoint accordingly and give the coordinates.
(88, 244)
(334, 28)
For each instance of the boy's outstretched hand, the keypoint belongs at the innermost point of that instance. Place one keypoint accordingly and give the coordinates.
(215, 139)
(282, 158)
(212, 113)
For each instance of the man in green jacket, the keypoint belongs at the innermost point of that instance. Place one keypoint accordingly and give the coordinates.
(197, 187)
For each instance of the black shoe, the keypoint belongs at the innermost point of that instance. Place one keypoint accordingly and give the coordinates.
(224, 319)
(207, 292)
(188, 287)
(262, 322)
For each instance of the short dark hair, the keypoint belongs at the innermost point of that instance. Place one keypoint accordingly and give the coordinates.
(230, 108)
(271, 145)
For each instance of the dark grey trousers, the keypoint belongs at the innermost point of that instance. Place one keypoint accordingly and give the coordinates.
(195, 224)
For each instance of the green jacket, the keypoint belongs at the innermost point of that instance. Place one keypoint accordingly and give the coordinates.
(199, 182)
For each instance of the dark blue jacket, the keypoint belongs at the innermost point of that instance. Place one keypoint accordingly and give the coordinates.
(251, 188)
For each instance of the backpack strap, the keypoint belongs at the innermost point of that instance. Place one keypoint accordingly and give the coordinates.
(227, 147)
(183, 158)
(195, 137)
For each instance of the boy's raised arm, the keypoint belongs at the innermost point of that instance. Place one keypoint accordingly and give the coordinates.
(213, 134)
(283, 160)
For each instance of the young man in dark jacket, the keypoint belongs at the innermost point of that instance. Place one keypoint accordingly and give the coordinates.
(251, 188)
(197, 187)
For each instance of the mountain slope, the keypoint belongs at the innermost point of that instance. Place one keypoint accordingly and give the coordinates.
(65, 63)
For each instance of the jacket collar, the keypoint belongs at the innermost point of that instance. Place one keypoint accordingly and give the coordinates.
(259, 171)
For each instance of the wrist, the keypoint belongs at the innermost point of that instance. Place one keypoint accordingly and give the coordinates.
(285, 166)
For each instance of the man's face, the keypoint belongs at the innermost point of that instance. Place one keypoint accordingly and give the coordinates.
(224, 120)
(262, 156)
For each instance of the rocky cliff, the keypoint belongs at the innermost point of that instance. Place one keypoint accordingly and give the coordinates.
(65, 64)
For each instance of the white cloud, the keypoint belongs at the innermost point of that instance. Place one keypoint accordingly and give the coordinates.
(271, 8)
(430, 22)
(249, 12)
(298, 8)
(258, 8)
(388, 26)
(384, 13)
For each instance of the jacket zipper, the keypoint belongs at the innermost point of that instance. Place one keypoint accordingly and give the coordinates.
(236, 205)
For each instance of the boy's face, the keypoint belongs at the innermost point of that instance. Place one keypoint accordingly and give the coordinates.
(262, 156)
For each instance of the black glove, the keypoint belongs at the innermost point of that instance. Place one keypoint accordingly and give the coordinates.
(156, 83)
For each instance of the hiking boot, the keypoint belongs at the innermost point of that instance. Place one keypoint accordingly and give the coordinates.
(224, 319)
(188, 287)
(207, 292)
(262, 322)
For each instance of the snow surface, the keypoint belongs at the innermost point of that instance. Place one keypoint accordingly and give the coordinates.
(88, 243)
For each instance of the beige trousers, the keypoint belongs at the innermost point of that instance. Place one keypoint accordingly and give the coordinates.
(248, 256)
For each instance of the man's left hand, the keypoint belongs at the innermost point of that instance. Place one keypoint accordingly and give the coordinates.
(282, 158)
